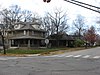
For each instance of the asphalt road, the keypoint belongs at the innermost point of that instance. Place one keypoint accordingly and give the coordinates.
(88, 53)
(53, 65)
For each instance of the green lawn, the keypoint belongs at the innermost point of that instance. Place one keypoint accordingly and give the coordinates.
(42, 51)
(32, 51)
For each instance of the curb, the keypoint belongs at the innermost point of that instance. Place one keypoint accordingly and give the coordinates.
(33, 55)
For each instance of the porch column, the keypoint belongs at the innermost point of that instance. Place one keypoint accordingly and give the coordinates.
(18, 43)
(29, 43)
(66, 43)
(28, 33)
(32, 43)
(9, 43)
(38, 43)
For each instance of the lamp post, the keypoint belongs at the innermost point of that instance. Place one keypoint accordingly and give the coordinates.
(2, 37)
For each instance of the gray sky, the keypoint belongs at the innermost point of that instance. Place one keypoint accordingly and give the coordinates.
(38, 6)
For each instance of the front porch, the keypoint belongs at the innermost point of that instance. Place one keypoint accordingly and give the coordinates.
(29, 43)
(62, 43)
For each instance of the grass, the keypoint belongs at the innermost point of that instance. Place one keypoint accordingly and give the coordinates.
(44, 51)
(31, 51)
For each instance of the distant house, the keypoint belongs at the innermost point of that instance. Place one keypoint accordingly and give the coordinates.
(26, 35)
(61, 40)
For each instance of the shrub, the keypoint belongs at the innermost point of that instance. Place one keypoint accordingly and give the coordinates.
(79, 42)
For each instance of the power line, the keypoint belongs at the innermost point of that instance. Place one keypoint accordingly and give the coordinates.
(86, 4)
(83, 5)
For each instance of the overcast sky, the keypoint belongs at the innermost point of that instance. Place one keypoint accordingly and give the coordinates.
(40, 7)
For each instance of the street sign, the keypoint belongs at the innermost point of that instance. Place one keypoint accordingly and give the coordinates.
(46, 41)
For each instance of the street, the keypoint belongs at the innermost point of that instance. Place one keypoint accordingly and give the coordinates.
(88, 53)
(84, 62)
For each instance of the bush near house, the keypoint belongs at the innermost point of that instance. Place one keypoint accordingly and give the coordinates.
(79, 43)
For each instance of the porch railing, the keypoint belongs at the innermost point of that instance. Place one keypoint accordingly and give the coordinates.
(20, 34)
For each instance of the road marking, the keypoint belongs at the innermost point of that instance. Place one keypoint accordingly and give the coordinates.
(61, 56)
(96, 57)
(86, 56)
(69, 56)
(3, 59)
(11, 58)
(54, 56)
(77, 56)
(31, 55)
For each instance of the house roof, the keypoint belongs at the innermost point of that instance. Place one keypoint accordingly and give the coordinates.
(24, 23)
(27, 26)
(67, 37)
(30, 27)
(61, 37)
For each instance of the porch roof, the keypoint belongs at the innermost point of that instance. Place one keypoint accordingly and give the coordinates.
(61, 37)
(27, 37)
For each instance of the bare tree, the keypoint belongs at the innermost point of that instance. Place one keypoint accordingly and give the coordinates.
(55, 23)
(79, 23)
(48, 26)
(27, 15)
(11, 16)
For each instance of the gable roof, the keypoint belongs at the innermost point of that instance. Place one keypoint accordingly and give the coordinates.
(27, 26)
(30, 27)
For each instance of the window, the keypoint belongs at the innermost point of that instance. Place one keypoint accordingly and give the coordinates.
(32, 32)
(24, 32)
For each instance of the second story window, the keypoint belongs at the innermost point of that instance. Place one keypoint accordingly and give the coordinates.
(24, 32)
(32, 32)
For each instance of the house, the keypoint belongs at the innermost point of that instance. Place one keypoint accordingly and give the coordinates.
(62, 40)
(26, 35)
